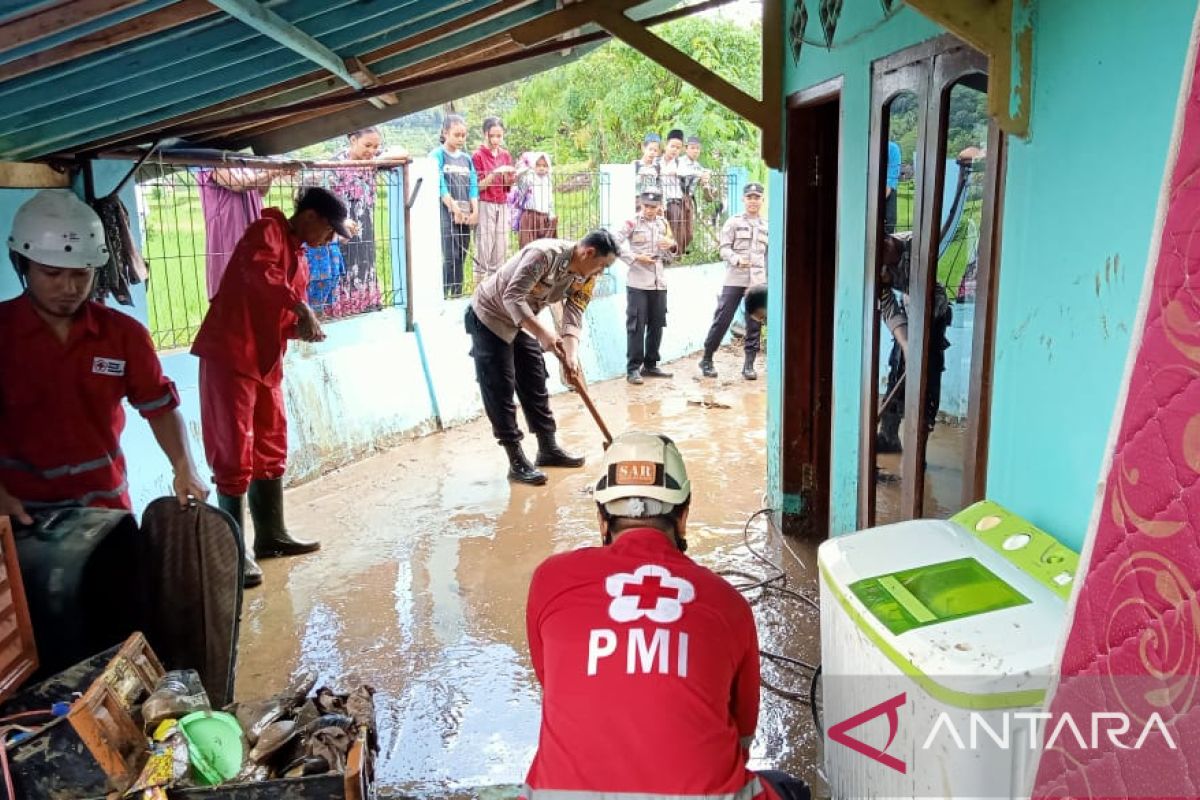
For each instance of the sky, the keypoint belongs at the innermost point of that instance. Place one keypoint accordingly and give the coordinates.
(740, 11)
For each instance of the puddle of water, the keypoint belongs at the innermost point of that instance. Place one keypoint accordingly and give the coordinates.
(419, 588)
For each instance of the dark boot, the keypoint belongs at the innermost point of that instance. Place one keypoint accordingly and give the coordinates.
(748, 370)
(655, 372)
(271, 538)
(551, 455)
(706, 366)
(235, 506)
(519, 468)
(887, 438)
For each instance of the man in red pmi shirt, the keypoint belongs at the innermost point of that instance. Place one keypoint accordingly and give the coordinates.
(259, 305)
(66, 365)
(648, 661)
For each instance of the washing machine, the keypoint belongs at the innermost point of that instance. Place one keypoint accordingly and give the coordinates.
(938, 646)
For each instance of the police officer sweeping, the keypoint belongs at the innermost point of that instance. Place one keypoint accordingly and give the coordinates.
(66, 366)
(648, 662)
(744, 250)
(507, 340)
(646, 245)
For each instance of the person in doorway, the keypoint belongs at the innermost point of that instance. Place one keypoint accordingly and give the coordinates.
(258, 307)
(646, 245)
(458, 188)
(535, 185)
(65, 368)
(675, 726)
(496, 174)
(507, 341)
(895, 262)
(744, 250)
(231, 198)
(674, 172)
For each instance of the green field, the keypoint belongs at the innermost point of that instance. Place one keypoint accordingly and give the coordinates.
(176, 247)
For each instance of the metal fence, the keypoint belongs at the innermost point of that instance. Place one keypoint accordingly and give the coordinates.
(568, 208)
(192, 217)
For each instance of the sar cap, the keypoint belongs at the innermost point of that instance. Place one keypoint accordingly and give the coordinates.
(643, 465)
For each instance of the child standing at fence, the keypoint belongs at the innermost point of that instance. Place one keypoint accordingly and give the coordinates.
(672, 172)
(646, 168)
(494, 168)
(458, 187)
(536, 188)
(691, 174)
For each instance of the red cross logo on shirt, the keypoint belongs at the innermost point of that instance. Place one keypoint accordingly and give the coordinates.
(650, 591)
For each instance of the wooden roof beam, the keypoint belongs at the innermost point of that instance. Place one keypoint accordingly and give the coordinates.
(144, 25)
(59, 16)
(1003, 29)
(766, 113)
(567, 19)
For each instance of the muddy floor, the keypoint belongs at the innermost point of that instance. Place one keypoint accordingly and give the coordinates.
(419, 589)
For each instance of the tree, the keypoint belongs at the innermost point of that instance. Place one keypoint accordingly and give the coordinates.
(599, 108)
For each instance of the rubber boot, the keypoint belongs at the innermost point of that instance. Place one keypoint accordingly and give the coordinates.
(271, 538)
(551, 455)
(887, 438)
(235, 506)
(748, 370)
(706, 366)
(519, 468)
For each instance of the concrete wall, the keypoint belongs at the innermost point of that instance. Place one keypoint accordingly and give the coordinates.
(1079, 207)
(372, 383)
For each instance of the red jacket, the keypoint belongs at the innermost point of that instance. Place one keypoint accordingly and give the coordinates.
(485, 163)
(60, 404)
(251, 316)
(649, 668)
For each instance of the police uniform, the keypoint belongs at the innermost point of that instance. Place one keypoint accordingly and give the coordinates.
(743, 237)
(646, 289)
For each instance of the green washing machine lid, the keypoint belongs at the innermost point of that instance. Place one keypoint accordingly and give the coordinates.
(935, 593)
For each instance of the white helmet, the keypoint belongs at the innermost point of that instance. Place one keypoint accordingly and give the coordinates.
(57, 229)
(644, 476)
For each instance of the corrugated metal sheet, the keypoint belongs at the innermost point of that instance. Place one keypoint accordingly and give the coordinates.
(84, 75)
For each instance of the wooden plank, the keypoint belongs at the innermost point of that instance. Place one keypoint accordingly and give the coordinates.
(163, 19)
(676, 61)
(568, 18)
(21, 661)
(23, 175)
(999, 28)
(46, 21)
(773, 23)
(426, 68)
(438, 31)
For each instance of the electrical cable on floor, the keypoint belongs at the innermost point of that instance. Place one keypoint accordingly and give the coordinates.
(775, 581)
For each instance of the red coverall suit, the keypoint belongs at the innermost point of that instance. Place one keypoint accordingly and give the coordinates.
(241, 344)
(649, 669)
(60, 404)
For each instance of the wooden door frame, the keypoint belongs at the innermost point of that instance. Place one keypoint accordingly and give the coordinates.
(812, 473)
(938, 65)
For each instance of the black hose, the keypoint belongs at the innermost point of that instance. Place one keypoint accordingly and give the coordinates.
(812, 701)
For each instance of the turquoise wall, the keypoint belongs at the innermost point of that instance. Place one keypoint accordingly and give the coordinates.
(1078, 219)
(1080, 199)
(852, 61)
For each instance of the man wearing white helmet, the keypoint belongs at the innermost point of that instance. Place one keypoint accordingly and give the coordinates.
(66, 365)
(648, 661)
